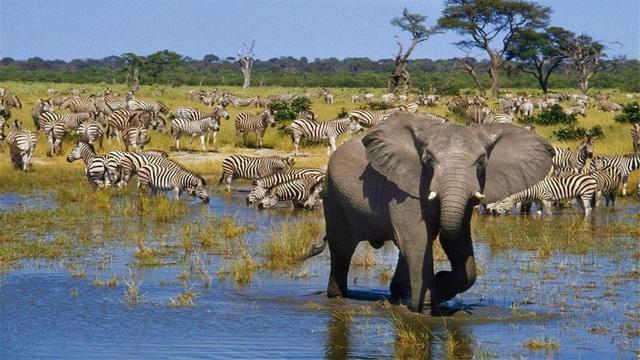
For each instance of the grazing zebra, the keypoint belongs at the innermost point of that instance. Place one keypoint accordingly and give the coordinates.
(369, 118)
(573, 159)
(579, 109)
(626, 164)
(123, 165)
(550, 189)
(194, 128)
(251, 167)
(90, 131)
(41, 107)
(136, 137)
(526, 108)
(262, 185)
(303, 193)
(319, 131)
(635, 137)
(247, 123)
(159, 177)
(95, 166)
(152, 106)
(192, 114)
(22, 144)
(606, 105)
(240, 102)
(608, 179)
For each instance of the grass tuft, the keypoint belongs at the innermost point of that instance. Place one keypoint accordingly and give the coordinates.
(289, 243)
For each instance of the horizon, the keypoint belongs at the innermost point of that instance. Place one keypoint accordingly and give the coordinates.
(282, 28)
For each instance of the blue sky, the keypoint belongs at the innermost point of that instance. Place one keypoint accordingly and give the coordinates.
(68, 29)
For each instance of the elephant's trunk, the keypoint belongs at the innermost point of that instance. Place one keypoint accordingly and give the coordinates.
(454, 197)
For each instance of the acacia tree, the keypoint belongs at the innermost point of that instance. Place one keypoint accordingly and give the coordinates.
(413, 24)
(538, 52)
(468, 65)
(245, 57)
(491, 24)
(133, 63)
(585, 54)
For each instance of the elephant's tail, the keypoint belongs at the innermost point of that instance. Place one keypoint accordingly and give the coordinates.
(316, 249)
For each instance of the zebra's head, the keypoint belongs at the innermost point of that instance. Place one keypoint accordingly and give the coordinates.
(269, 200)
(45, 106)
(502, 207)
(213, 124)
(267, 118)
(354, 127)
(221, 112)
(258, 193)
(78, 150)
(587, 147)
(199, 190)
(314, 199)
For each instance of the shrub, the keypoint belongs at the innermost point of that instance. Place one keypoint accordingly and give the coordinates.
(379, 105)
(572, 132)
(630, 113)
(551, 116)
(289, 110)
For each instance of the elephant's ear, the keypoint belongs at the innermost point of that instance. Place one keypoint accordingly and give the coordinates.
(394, 151)
(518, 159)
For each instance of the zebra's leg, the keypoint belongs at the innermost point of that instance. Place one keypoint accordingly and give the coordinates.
(215, 138)
(612, 198)
(178, 192)
(625, 181)
(332, 146)
(117, 132)
(296, 143)
(586, 204)
(547, 206)
(202, 142)
(597, 197)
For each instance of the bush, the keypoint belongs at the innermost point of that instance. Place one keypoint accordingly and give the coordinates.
(342, 114)
(572, 133)
(551, 116)
(289, 110)
(379, 105)
(630, 113)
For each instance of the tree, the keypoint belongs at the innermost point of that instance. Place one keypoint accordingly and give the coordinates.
(246, 62)
(413, 24)
(468, 65)
(491, 24)
(133, 63)
(538, 52)
(585, 54)
(161, 61)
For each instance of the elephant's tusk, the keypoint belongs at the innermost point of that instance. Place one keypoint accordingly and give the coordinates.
(478, 195)
(432, 195)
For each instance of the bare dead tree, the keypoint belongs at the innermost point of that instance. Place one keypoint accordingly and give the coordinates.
(245, 56)
(412, 23)
(468, 65)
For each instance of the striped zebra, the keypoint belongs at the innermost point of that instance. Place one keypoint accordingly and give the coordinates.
(95, 166)
(159, 177)
(578, 109)
(70, 120)
(635, 137)
(431, 117)
(153, 106)
(194, 128)
(607, 105)
(240, 102)
(262, 185)
(551, 189)
(626, 164)
(410, 108)
(321, 131)
(328, 97)
(41, 107)
(369, 118)
(136, 137)
(498, 118)
(608, 180)
(90, 132)
(252, 167)
(247, 123)
(573, 159)
(22, 144)
(121, 166)
(79, 104)
(119, 120)
(55, 133)
(303, 193)
(192, 114)
(2, 124)
(5, 112)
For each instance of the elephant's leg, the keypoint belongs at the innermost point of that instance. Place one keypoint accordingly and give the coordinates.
(463, 268)
(341, 247)
(414, 246)
(400, 286)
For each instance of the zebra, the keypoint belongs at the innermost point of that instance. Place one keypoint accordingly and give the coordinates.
(606, 105)
(626, 164)
(159, 177)
(90, 131)
(608, 179)
(12, 101)
(217, 114)
(410, 108)
(262, 185)
(2, 123)
(369, 118)
(5, 112)
(319, 131)
(76, 105)
(303, 193)
(22, 144)
(121, 166)
(550, 189)
(573, 159)
(251, 167)
(95, 166)
(431, 117)
(117, 122)
(635, 137)
(247, 123)
(41, 107)
(240, 102)
(498, 118)
(327, 96)
(578, 109)
(136, 137)
(153, 106)
(55, 133)
(194, 128)
(70, 120)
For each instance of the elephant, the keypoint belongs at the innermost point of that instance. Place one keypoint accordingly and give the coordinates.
(411, 180)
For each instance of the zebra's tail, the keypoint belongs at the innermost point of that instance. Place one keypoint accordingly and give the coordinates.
(316, 249)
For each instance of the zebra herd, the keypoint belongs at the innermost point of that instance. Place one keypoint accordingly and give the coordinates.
(571, 179)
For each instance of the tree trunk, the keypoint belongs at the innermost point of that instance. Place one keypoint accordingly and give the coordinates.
(584, 81)
(494, 73)
(474, 76)
(136, 81)
(247, 78)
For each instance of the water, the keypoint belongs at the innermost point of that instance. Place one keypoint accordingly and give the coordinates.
(585, 303)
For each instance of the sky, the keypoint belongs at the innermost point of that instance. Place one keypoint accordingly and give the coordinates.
(78, 29)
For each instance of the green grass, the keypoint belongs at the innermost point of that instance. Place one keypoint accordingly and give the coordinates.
(545, 344)
(290, 242)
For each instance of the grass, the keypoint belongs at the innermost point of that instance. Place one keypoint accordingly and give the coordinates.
(410, 343)
(241, 268)
(132, 293)
(288, 243)
(545, 344)
(364, 256)
(184, 299)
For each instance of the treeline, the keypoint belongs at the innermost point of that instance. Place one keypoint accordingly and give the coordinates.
(443, 76)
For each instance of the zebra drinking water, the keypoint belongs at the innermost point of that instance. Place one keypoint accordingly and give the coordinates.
(251, 167)
(303, 193)
(159, 177)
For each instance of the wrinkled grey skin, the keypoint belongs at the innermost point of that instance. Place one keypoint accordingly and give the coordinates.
(378, 188)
